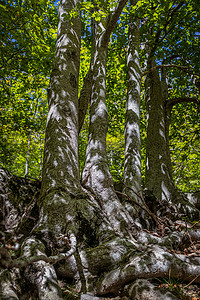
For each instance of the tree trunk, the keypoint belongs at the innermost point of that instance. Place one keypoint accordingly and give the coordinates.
(158, 177)
(60, 178)
(28, 154)
(132, 164)
(96, 175)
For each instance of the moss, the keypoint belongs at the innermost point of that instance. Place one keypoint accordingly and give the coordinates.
(32, 246)
(100, 258)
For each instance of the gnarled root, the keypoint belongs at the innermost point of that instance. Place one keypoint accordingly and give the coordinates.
(152, 263)
(7, 286)
(41, 274)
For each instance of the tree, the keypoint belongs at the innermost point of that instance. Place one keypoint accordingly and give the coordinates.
(132, 163)
(159, 179)
(84, 232)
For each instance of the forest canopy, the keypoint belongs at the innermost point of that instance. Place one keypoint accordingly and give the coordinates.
(28, 36)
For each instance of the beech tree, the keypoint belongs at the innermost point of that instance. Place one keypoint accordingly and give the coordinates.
(158, 177)
(82, 229)
(132, 163)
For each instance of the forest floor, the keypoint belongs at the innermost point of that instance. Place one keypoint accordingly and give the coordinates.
(26, 218)
(180, 290)
(183, 291)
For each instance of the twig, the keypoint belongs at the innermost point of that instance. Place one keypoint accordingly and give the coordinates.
(195, 224)
(169, 66)
(137, 195)
(192, 281)
(142, 207)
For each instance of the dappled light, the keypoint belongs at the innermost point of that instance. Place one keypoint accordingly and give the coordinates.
(105, 219)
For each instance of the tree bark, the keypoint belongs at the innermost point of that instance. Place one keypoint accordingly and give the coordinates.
(158, 177)
(96, 174)
(132, 164)
(60, 176)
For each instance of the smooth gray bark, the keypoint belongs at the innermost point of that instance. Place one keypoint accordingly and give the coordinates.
(60, 175)
(132, 164)
(153, 262)
(158, 175)
(96, 174)
(158, 178)
(86, 91)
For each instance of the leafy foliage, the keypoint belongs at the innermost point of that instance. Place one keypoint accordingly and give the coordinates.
(185, 146)
(27, 42)
(27, 46)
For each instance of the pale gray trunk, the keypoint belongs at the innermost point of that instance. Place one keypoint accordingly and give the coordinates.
(158, 177)
(28, 155)
(60, 176)
(40, 161)
(132, 164)
(96, 174)
(96, 160)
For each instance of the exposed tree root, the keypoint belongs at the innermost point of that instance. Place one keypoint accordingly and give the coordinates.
(99, 259)
(26, 260)
(7, 286)
(41, 274)
(154, 262)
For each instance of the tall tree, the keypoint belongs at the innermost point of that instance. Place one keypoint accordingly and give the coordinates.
(158, 172)
(96, 173)
(158, 178)
(132, 164)
(60, 177)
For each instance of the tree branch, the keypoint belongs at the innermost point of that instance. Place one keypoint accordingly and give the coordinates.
(175, 101)
(113, 18)
(86, 91)
(169, 19)
(185, 68)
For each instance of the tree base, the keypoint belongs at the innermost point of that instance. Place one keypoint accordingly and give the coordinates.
(102, 268)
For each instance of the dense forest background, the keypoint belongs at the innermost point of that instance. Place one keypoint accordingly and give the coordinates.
(28, 38)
